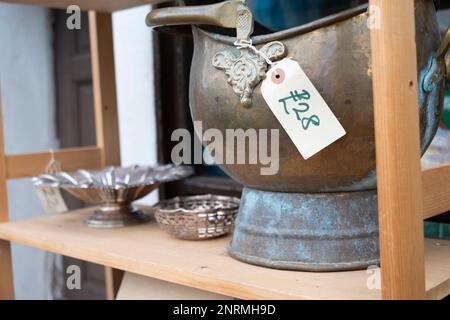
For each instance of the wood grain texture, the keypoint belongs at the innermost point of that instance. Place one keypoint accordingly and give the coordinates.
(33, 164)
(105, 108)
(97, 5)
(205, 265)
(3, 171)
(113, 278)
(436, 191)
(104, 85)
(398, 151)
(6, 272)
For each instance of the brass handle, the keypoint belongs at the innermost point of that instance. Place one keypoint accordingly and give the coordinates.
(442, 52)
(227, 14)
(440, 66)
(222, 14)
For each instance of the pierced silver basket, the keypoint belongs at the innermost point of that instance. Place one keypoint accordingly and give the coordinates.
(197, 217)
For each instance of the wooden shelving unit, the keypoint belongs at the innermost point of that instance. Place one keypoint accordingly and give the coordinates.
(147, 250)
(412, 268)
(107, 149)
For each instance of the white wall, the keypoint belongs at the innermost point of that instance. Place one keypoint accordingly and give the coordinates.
(135, 88)
(26, 80)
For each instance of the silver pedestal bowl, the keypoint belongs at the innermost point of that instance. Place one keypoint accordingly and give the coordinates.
(113, 189)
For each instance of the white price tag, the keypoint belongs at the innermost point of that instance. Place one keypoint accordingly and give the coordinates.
(51, 199)
(300, 108)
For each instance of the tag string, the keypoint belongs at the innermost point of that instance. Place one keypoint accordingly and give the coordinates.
(53, 165)
(241, 44)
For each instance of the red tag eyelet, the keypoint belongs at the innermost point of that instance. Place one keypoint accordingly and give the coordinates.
(278, 76)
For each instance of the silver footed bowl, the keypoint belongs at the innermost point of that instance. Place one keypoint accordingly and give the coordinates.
(113, 189)
(197, 217)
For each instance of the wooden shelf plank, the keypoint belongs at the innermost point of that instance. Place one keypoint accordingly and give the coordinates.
(205, 265)
(96, 5)
(436, 190)
(33, 164)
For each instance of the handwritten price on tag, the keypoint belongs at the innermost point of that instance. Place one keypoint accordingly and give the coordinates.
(300, 108)
(299, 97)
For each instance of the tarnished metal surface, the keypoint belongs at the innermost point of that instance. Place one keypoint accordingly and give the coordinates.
(113, 189)
(312, 232)
(337, 58)
(197, 217)
(221, 14)
(314, 214)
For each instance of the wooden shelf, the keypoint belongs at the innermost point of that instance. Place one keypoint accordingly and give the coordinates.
(96, 5)
(148, 251)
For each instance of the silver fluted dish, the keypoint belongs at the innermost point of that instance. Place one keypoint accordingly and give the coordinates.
(113, 189)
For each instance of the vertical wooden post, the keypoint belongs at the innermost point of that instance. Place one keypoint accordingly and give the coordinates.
(6, 272)
(105, 105)
(398, 150)
(104, 85)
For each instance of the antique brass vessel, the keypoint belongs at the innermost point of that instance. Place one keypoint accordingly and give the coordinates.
(318, 214)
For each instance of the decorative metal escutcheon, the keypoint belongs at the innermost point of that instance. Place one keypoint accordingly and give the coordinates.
(245, 65)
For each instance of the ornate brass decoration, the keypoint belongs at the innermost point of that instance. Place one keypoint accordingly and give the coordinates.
(246, 67)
